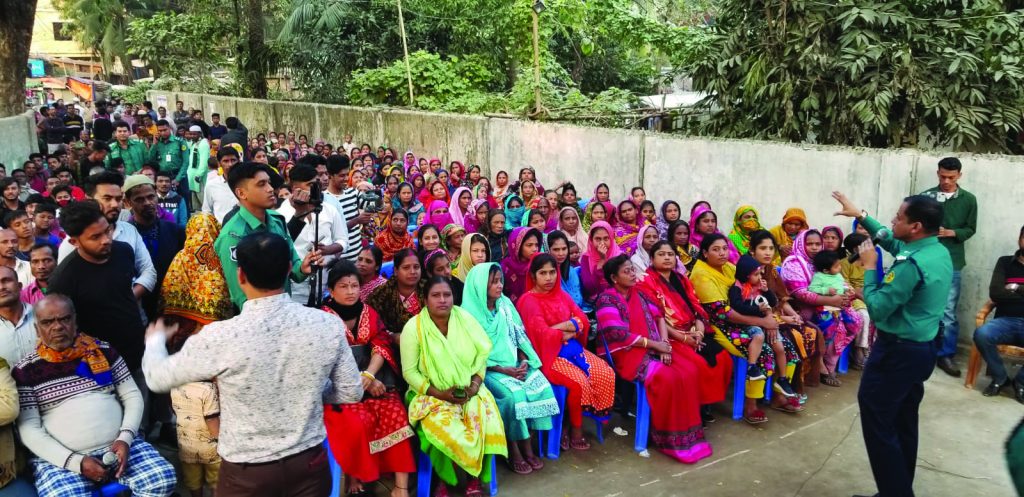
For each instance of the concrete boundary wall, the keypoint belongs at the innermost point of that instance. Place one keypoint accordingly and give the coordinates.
(18, 139)
(769, 175)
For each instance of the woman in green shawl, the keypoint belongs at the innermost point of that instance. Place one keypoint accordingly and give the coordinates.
(444, 359)
(524, 396)
(745, 222)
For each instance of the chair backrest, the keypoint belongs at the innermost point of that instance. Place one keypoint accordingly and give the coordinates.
(983, 314)
(387, 269)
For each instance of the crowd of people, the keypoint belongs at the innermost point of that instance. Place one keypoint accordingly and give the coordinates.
(444, 309)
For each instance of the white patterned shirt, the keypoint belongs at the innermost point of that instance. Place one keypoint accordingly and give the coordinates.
(276, 364)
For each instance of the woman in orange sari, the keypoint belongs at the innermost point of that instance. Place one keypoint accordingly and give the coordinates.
(557, 328)
(395, 236)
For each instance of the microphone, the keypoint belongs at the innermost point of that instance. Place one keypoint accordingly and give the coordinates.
(879, 237)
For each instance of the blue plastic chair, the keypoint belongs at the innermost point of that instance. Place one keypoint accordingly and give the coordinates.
(337, 480)
(739, 395)
(387, 269)
(425, 474)
(844, 361)
(112, 489)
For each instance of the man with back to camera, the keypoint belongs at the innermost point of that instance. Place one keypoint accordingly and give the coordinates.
(959, 223)
(907, 306)
(271, 437)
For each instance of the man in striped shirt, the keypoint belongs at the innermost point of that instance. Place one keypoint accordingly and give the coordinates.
(348, 197)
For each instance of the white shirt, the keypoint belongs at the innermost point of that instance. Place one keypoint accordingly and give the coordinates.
(332, 230)
(24, 271)
(145, 272)
(218, 199)
(18, 340)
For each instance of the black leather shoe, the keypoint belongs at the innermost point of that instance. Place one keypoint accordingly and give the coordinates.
(993, 389)
(1018, 391)
(946, 364)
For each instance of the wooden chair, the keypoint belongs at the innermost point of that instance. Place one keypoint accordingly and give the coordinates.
(974, 364)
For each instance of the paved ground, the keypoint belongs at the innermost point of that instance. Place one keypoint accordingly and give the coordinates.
(818, 453)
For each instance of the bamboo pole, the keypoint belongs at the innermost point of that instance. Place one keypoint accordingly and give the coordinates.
(405, 49)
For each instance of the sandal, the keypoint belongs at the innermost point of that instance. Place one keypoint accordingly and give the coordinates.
(579, 444)
(535, 462)
(521, 467)
(473, 488)
(756, 417)
(564, 442)
(830, 380)
(787, 407)
(442, 490)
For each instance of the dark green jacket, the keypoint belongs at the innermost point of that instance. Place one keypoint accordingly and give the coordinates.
(960, 214)
(170, 155)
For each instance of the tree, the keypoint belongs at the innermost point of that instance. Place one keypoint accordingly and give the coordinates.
(103, 24)
(180, 45)
(255, 58)
(865, 73)
(16, 19)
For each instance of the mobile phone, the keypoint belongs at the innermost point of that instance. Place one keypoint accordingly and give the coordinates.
(459, 393)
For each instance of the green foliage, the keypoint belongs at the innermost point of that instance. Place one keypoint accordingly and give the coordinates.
(133, 93)
(868, 72)
(180, 45)
(454, 85)
(102, 24)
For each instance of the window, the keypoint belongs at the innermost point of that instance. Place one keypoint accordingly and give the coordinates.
(58, 32)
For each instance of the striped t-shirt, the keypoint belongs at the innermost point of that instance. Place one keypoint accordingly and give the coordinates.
(349, 199)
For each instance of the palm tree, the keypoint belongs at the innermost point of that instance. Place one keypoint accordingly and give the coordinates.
(102, 26)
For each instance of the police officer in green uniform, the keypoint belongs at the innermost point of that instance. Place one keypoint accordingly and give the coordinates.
(250, 182)
(171, 154)
(906, 305)
(124, 147)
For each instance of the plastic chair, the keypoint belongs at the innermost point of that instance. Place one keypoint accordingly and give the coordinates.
(974, 363)
(337, 480)
(739, 395)
(387, 269)
(844, 361)
(425, 474)
(112, 489)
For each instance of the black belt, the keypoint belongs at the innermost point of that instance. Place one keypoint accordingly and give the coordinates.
(281, 460)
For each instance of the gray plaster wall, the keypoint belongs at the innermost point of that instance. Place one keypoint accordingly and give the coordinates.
(771, 176)
(17, 139)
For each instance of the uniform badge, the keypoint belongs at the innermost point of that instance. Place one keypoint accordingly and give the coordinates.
(889, 277)
(234, 258)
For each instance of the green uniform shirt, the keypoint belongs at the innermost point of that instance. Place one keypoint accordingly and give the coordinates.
(960, 214)
(134, 156)
(910, 299)
(171, 155)
(239, 224)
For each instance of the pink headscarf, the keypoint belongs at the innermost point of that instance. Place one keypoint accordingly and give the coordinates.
(440, 220)
(453, 208)
(592, 255)
(696, 236)
(469, 220)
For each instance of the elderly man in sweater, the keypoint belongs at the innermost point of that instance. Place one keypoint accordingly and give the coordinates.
(78, 402)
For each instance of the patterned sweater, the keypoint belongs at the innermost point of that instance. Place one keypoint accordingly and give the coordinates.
(65, 417)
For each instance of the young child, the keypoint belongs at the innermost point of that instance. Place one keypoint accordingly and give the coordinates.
(854, 275)
(839, 325)
(197, 408)
(750, 296)
(574, 254)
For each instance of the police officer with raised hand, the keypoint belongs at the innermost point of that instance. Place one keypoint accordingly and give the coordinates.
(906, 305)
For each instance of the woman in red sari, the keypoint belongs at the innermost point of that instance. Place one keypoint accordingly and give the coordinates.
(397, 301)
(636, 335)
(557, 328)
(395, 236)
(372, 436)
(673, 293)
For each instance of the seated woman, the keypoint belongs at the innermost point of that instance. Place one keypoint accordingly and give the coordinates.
(596, 211)
(514, 212)
(524, 396)
(712, 277)
(474, 251)
(688, 324)
(797, 272)
(437, 191)
(627, 226)
(854, 274)
(806, 338)
(478, 209)
(368, 264)
(444, 360)
(436, 263)
(558, 331)
(601, 246)
(670, 213)
(459, 206)
(372, 436)
(636, 336)
(558, 247)
(428, 238)
(679, 238)
(569, 224)
(535, 219)
(642, 258)
(398, 300)
(451, 241)
(395, 236)
(745, 222)
(497, 235)
(793, 222)
(705, 222)
(522, 245)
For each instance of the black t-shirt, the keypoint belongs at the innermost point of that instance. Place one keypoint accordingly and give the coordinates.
(1010, 304)
(102, 129)
(104, 303)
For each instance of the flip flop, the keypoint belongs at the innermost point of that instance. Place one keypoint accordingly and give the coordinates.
(535, 462)
(564, 442)
(756, 417)
(473, 489)
(522, 467)
(579, 444)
